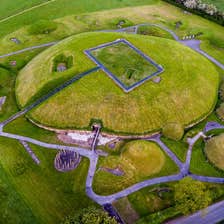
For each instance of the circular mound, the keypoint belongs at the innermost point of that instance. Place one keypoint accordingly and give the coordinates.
(146, 157)
(214, 150)
(186, 94)
(173, 131)
(138, 160)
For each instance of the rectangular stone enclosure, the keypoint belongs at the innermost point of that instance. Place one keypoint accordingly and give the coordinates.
(124, 63)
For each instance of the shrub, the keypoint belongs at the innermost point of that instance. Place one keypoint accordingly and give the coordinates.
(42, 27)
(88, 216)
(220, 111)
(207, 11)
(191, 196)
(173, 131)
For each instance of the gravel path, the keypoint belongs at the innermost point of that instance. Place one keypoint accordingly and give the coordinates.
(212, 125)
(29, 49)
(195, 45)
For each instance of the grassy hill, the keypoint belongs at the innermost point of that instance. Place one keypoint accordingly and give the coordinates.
(186, 93)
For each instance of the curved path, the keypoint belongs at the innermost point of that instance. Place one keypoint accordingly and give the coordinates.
(94, 156)
(194, 44)
(29, 49)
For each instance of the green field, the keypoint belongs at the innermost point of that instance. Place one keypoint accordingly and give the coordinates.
(138, 160)
(218, 3)
(75, 106)
(124, 63)
(54, 10)
(9, 8)
(49, 194)
(186, 93)
(214, 151)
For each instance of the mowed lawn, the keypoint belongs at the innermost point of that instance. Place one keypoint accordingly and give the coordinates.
(10, 7)
(187, 92)
(49, 194)
(125, 63)
(137, 160)
(54, 10)
(218, 3)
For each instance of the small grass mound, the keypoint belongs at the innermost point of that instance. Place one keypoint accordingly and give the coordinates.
(145, 157)
(42, 27)
(137, 161)
(214, 150)
(173, 131)
(154, 31)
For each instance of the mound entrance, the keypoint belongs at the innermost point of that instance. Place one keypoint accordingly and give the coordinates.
(124, 63)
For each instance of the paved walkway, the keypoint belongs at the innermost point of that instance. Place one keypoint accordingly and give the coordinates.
(29, 49)
(195, 45)
(211, 215)
(93, 155)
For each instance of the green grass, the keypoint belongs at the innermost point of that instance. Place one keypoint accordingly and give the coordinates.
(139, 160)
(218, 3)
(54, 10)
(96, 95)
(49, 194)
(124, 63)
(9, 7)
(200, 165)
(12, 206)
(214, 151)
(178, 147)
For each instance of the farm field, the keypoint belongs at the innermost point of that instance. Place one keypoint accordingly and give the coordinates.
(133, 164)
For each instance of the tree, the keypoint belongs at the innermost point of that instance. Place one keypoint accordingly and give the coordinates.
(191, 4)
(90, 215)
(191, 196)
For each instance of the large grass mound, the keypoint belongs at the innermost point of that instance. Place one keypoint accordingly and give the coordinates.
(186, 93)
(138, 160)
(214, 150)
(144, 157)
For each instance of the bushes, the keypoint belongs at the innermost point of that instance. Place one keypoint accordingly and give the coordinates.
(207, 11)
(42, 27)
(173, 131)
